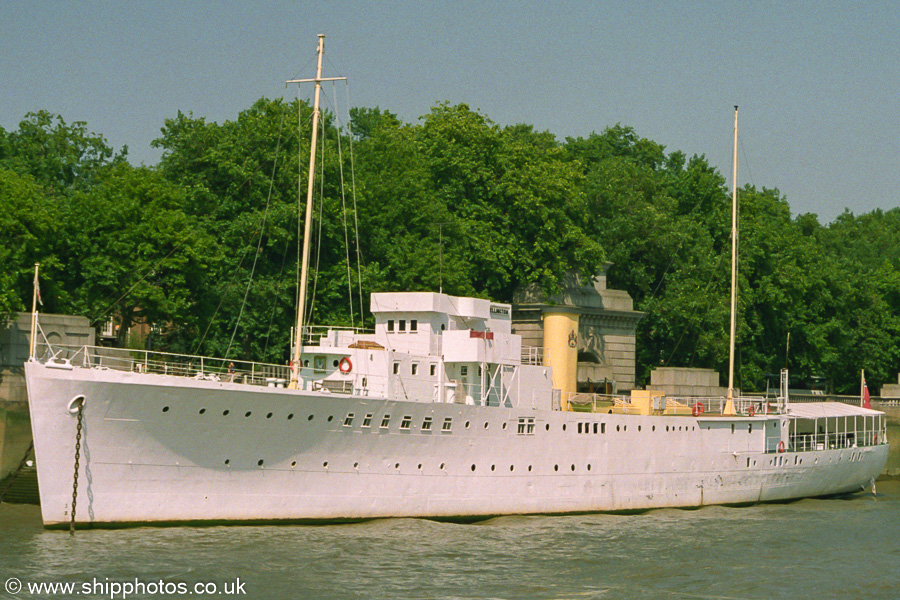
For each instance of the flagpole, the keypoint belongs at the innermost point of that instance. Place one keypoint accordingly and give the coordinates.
(34, 302)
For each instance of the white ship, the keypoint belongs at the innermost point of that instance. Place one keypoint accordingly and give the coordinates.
(439, 413)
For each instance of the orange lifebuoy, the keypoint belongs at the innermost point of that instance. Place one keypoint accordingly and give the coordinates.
(781, 446)
(697, 409)
(345, 365)
(751, 411)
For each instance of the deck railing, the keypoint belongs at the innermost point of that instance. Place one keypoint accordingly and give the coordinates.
(166, 363)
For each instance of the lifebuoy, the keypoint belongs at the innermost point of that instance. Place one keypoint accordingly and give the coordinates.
(751, 411)
(697, 409)
(781, 446)
(345, 365)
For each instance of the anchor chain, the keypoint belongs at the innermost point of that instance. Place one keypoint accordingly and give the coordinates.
(77, 457)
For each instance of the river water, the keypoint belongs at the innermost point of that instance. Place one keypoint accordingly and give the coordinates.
(836, 548)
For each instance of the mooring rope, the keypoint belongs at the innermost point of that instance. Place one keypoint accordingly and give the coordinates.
(77, 457)
(13, 477)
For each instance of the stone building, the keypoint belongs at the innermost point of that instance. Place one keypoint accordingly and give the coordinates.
(586, 332)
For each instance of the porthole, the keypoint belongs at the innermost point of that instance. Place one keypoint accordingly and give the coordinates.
(467, 424)
(165, 409)
(589, 467)
(290, 416)
(503, 426)
(202, 411)
(227, 461)
(330, 418)
(618, 428)
(573, 468)
(356, 465)
(512, 468)
(486, 424)
(225, 412)
(473, 467)
(529, 468)
(420, 466)
(639, 427)
(325, 465)
(260, 462)
(248, 413)
(397, 466)
(293, 463)
(548, 426)
(556, 467)
(334, 363)
(624, 427)
(442, 466)
(653, 428)
(269, 416)
(493, 467)
(564, 426)
(309, 418)
(667, 428)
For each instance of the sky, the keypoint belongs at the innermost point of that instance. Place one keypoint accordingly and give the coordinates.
(816, 81)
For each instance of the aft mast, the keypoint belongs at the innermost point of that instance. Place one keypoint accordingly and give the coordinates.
(729, 405)
(307, 228)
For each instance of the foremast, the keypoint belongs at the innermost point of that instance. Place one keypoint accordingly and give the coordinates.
(729, 405)
(307, 227)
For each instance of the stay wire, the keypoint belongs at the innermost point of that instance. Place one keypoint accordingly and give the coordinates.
(262, 231)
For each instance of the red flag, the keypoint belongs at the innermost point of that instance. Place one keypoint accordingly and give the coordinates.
(867, 402)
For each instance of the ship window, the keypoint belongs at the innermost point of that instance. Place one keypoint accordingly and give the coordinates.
(165, 409)
(402, 325)
(348, 420)
(390, 324)
(448, 424)
(579, 428)
(290, 416)
(464, 370)
(556, 467)
(413, 325)
(405, 422)
(396, 368)
(367, 421)
(248, 413)
(732, 428)
(433, 370)
(750, 428)
(415, 368)
(473, 467)
(426, 424)
(293, 463)
(202, 410)
(334, 363)
(595, 428)
(260, 462)
(385, 421)
(227, 461)
(269, 416)
(602, 427)
(526, 426)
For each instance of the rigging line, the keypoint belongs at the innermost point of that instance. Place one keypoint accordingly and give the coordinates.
(355, 211)
(344, 206)
(203, 221)
(212, 319)
(262, 231)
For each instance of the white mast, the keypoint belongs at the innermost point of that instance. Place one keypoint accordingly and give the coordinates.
(304, 270)
(729, 406)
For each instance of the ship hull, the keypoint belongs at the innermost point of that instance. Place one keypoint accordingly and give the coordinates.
(162, 449)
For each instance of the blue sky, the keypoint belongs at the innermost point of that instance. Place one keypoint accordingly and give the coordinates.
(817, 82)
